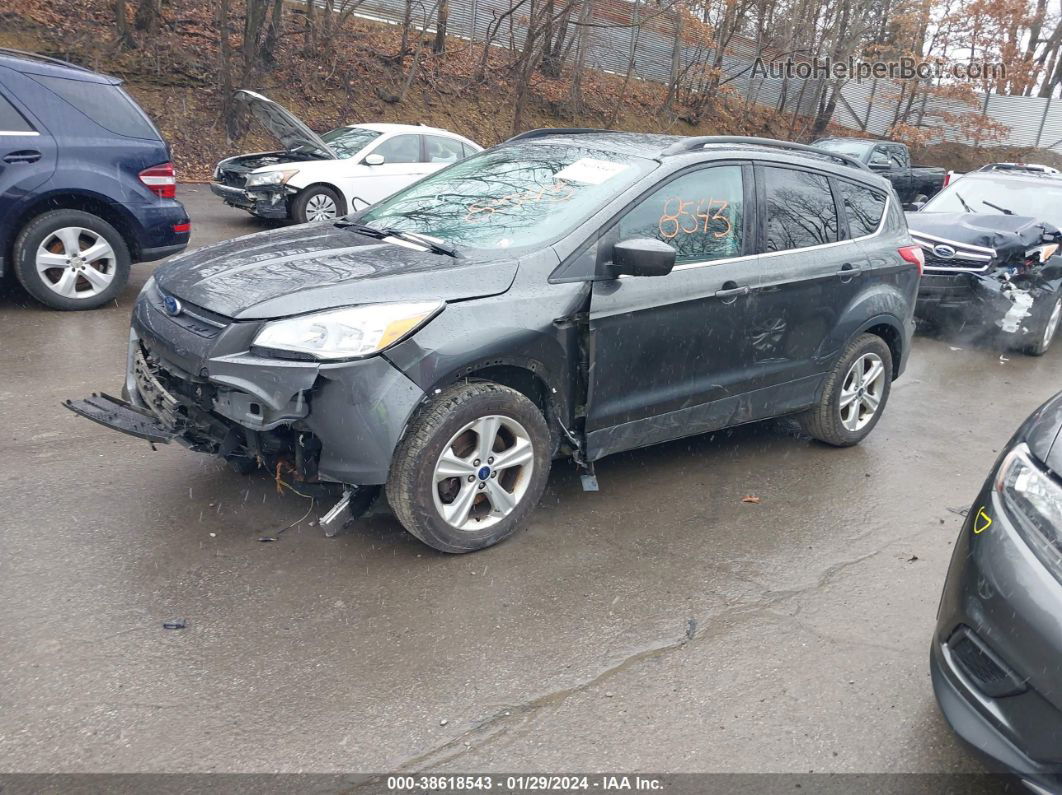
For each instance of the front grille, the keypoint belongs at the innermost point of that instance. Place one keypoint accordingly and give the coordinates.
(981, 666)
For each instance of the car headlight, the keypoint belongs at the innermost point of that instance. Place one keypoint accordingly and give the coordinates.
(1033, 498)
(348, 333)
(269, 178)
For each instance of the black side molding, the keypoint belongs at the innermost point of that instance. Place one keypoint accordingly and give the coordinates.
(118, 415)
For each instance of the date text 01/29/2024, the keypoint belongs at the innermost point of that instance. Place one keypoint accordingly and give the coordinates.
(522, 783)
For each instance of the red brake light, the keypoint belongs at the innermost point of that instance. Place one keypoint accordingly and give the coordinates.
(179, 228)
(947, 179)
(914, 255)
(160, 180)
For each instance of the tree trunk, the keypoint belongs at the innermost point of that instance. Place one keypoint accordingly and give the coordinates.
(276, 27)
(148, 16)
(124, 39)
(676, 62)
(228, 110)
(439, 45)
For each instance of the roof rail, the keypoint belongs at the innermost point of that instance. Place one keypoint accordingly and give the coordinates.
(698, 142)
(36, 56)
(544, 132)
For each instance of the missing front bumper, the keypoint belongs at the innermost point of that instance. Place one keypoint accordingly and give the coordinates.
(119, 415)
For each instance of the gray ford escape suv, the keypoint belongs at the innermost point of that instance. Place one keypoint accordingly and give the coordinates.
(568, 292)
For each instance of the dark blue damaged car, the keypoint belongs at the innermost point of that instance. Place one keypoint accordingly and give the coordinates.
(569, 292)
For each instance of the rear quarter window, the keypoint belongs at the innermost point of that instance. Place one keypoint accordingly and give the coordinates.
(863, 207)
(11, 121)
(800, 209)
(107, 105)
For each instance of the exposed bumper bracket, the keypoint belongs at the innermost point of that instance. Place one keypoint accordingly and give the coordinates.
(119, 415)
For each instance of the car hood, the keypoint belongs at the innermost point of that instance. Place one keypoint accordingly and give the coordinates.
(1010, 236)
(1043, 433)
(282, 124)
(319, 266)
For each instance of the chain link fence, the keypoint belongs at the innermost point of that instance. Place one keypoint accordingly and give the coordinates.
(623, 35)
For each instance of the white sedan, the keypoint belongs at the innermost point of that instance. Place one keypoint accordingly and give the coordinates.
(315, 178)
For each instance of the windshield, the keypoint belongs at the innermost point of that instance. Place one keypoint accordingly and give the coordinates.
(1042, 201)
(348, 141)
(518, 196)
(856, 149)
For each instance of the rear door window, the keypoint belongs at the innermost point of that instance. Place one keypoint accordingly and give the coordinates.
(106, 104)
(863, 208)
(442, 150)
(700, 215)
(400, 149)
(799, 208)
(11, 121)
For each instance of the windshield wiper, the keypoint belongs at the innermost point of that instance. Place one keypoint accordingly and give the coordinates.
(969, 209)
(438, 246)
(1003, 210)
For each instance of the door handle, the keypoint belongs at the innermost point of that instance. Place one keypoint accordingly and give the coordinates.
(731, 292)
(848, 272)
(24, 156)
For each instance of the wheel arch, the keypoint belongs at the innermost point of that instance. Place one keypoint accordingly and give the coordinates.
(320, 183)
(85, 201)
(528, 377)
(890, 330)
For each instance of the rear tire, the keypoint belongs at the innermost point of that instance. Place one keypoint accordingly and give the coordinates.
(854, 395)
(1048, 329)
(71, 260)
(497, 445)
(318, 203)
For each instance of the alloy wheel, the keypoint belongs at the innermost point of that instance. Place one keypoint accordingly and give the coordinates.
(1052, 323)
(861, 391)
(320, 208)
(483, 472)
(75, 262)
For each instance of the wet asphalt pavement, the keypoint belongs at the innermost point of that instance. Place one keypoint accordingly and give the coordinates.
(659, 625)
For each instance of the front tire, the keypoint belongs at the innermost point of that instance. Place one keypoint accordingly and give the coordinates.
(470, 468)
(854, 395)
(71, 260)
(318, 203)
(1049, 330)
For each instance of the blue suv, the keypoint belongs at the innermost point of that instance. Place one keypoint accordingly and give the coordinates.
(86, 183)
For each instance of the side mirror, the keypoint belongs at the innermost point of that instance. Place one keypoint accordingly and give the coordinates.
(642, 256)
(373, 160)
(878, 166)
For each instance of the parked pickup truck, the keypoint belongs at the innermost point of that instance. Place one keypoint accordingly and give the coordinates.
(914, 184)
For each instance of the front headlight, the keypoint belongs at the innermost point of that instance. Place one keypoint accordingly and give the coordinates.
(263, 178)
(1034, 500)
(348, 333)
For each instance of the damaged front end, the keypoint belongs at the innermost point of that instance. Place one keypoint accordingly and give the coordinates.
(1002, 270)
(194, 377)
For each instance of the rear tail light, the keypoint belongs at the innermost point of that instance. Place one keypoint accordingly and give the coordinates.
(914, 255)
(947, 179)
(179, 228)
(160, 180)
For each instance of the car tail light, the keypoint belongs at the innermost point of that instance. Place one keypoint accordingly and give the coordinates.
(914, 255)
(947, 179)
(178, 228)
(160, 180)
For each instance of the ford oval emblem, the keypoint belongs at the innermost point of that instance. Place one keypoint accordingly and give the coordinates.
(171, 305)
(944, 252)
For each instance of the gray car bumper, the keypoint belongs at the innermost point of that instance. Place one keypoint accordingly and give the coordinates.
(998, 592)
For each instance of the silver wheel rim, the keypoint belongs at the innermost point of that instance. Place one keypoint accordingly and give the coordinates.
(1052, 323)
(75, 262)
(483, 472)
(861, 391)
(320, 207)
